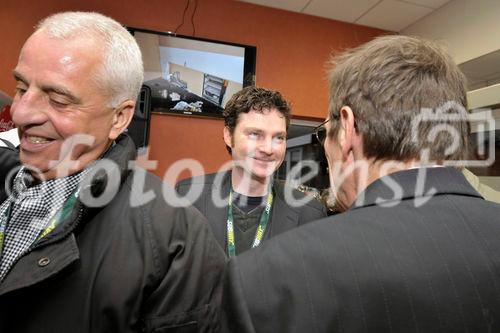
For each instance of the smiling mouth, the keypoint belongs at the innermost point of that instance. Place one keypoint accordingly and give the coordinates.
(37, 139)
(264, 161)
(34, 143)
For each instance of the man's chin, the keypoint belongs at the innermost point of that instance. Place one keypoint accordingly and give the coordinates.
(35, 165)
(260, 175)
(265, 169)
(42, 171)
(250, 173)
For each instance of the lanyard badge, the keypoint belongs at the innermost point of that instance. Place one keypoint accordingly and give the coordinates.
(261, 229)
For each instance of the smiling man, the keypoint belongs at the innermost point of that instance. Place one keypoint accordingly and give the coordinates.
(245, 205)
(57, 97)
(73, 257)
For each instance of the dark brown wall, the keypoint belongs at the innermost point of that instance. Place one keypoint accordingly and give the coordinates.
(291, 52)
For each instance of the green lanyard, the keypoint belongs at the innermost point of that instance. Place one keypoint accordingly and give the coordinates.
(264, 220)
(55, 220)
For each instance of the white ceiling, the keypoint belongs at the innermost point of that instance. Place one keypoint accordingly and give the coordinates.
(393, 15)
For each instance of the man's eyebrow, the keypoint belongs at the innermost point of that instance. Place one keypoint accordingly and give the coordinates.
(254, 129)
(19, 77)
(61, 91)
(258, 130)
(50, 89)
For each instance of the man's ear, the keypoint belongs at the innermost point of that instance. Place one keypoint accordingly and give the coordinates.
(228, 136)
(122, 116)
(348, 136)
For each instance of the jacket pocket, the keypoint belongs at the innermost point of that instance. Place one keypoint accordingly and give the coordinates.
(191, 326)
(203, 319)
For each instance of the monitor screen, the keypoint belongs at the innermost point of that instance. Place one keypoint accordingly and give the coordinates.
(193, 76)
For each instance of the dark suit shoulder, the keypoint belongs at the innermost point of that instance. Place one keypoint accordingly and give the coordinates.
(390, 264)
(192, 180)
(206, 179)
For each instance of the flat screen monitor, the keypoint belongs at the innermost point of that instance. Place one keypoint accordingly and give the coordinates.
(193, 76)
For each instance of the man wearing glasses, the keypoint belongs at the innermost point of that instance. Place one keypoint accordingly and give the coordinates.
(245, 205)
(416, 249)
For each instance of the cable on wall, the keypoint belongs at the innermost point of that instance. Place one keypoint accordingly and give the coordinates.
(192, 16)
(183, 16)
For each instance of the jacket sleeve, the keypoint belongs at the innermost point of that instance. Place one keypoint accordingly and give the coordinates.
(235, 313)
(190, 266)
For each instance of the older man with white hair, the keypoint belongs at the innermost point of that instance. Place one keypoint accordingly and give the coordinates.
(83, 248)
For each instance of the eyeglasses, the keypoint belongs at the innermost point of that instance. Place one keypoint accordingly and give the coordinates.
(320, 132)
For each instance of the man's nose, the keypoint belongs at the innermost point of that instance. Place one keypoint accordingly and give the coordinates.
(266, 146)
(28, 109)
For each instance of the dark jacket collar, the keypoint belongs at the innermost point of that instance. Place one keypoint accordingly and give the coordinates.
(415, 183)
(120, 153)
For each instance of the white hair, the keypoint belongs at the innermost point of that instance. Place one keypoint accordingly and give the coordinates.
(121, 73)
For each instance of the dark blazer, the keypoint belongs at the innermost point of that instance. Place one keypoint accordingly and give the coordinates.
(284, 217)
(429, 263)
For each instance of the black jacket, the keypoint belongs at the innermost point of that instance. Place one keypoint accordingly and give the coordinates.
(9, 164)
(428, 262)
(284, 216)
(117, 268)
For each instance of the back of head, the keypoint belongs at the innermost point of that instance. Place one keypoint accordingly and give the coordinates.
(121, 73)
(402, 90)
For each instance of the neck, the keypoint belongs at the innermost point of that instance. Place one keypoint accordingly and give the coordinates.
(364, 172)
(244, 183)
(379, 169)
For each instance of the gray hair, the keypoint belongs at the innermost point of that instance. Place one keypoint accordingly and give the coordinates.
(121, 73)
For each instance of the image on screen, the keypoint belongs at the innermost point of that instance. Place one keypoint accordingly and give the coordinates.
(190, 76)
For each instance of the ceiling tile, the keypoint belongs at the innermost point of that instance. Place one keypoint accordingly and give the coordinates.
(393, 15)
(291, 5)
(428, 3)
(339, 9)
